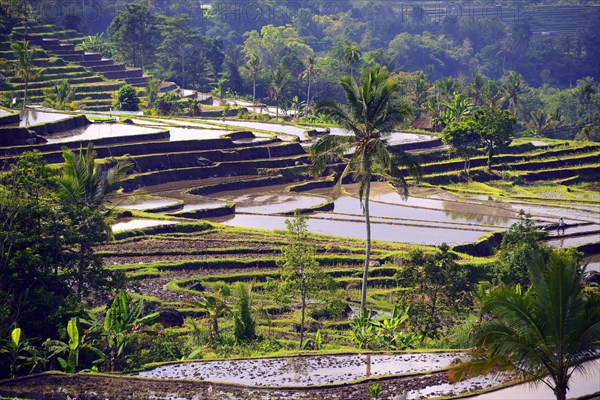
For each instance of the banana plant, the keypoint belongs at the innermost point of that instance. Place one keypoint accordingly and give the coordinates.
(389, 330)
(15, 348)
(362, 330)
(77, 342)
(122, 321)
(215, 307)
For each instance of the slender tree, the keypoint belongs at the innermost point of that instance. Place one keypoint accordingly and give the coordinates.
(545, 333)
(300, 273)
(24, 67)
(308, 73)
(253, 68)
(476, 86)
(352, 56)
(464, 139)
(281, 78)
(513, 88)
(373, 111)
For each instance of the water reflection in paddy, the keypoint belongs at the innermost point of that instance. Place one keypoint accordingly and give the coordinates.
(271, 203)
(278, 128)
(149, 122)
(187, 123)
(140, 223)
(200, 206)
(179, 134)
(392, 233)
(566, 242)
(484, 213)
(32, 117)
(98, 131)
(351, 205)
(149, 204)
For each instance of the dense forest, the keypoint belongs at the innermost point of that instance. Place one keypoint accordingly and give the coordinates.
(538, 58)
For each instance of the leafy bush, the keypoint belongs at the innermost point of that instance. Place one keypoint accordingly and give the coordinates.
(169, 104)
(127, 99)
(244, 324)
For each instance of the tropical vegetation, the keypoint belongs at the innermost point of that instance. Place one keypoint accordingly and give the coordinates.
(545, 332)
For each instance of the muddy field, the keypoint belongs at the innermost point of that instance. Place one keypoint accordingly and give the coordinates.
(56, 386)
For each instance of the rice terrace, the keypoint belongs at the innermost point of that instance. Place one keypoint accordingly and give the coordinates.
(316, 200)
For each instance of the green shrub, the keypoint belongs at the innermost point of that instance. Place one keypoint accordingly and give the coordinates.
(127, 99)
(244, 324)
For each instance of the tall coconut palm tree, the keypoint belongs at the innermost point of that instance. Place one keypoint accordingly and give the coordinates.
(546, 333)
(352, 56)
(513, 87)
(253, 68)
(24, 67)
(308, 73)
(476, 86)
(373, 111)
(281, 78)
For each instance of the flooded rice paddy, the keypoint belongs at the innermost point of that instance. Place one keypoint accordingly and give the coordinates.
(307, 371)
(149, 204)
(271, 200)
(416, 220)
(33, 117)
(355, 229)
(140, 223)
(99, 131)
(179, 134)
(302, 371)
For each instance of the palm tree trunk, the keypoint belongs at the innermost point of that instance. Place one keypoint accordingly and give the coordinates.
(308, 93)
(363, 298)
(25, 94)
(303, 312)
(254, 95)
(560, 392)
(216, 326)
(430, 320)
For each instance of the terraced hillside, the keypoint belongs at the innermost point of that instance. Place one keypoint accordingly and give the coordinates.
(204, 208)
(95, 79)
(544, 20)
